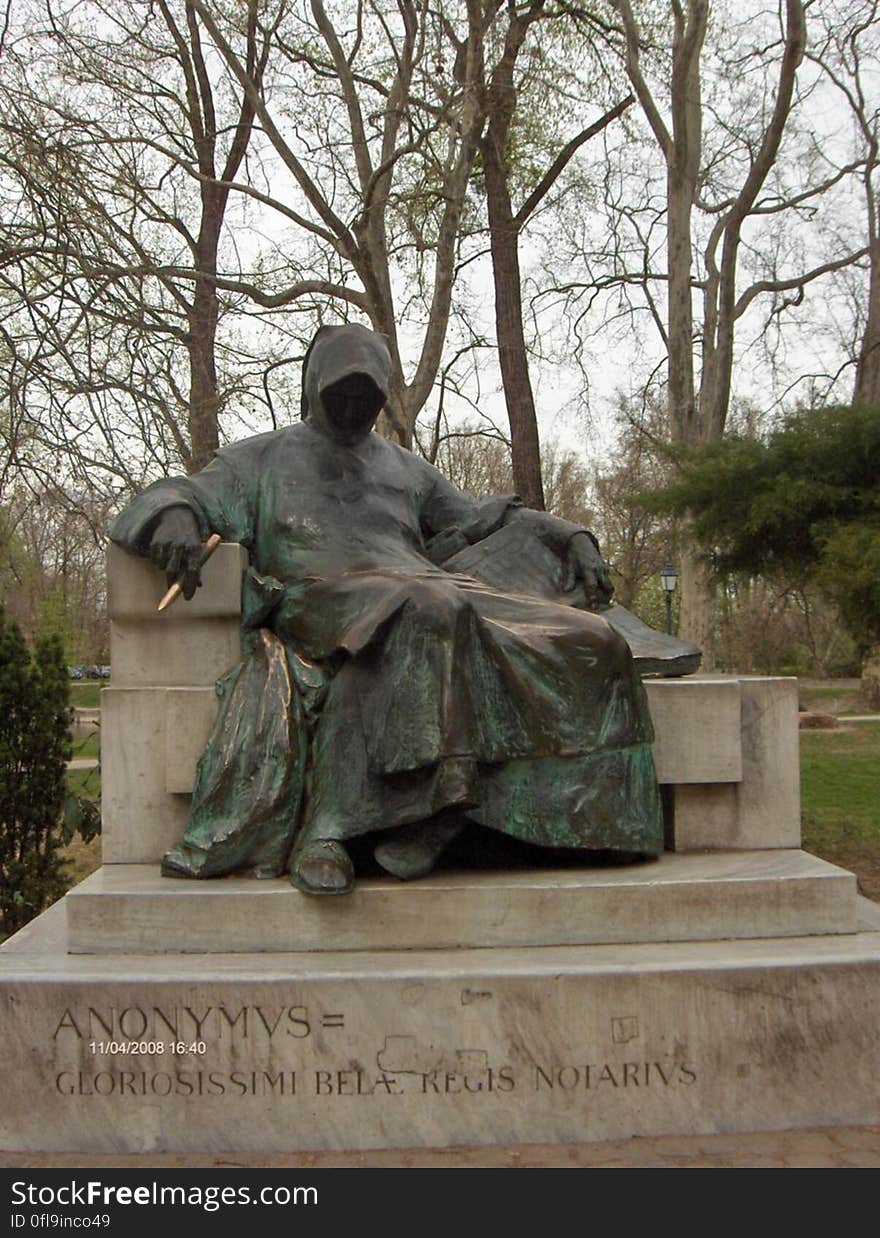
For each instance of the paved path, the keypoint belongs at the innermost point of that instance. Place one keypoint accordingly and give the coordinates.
(843, 1147)
(83, 763)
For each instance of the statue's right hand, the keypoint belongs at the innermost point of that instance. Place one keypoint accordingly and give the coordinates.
(176, 547)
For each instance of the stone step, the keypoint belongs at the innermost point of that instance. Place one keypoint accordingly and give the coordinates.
(130, 908)
(351, 1050)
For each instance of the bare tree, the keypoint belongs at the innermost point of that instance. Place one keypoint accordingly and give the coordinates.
(51, 569)
(481, 462)
(716, 94)
(635, 541)
(846, 48)
(476, 461)
(697, 414)
(380, 159)
(505, 228)
(123, 151)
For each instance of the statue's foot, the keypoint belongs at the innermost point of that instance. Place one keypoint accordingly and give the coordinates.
(172, 867)
(322, 866)
(412, 850)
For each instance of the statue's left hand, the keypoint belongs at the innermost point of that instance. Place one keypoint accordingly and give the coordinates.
(584, 565)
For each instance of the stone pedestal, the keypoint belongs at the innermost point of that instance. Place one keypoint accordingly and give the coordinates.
(733, 985)
(406, 1048)
(130, 909)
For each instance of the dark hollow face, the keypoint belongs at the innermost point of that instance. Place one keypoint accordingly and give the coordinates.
(350, 407)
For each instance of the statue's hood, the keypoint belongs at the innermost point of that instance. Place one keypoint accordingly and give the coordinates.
(336, 353)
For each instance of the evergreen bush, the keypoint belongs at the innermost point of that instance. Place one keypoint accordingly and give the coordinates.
(35, 746)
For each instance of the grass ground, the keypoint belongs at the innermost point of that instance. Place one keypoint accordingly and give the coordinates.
(85, 782)
(85, 693)
(840, 799)
(838, 696)
(89, 746)
(82, 858)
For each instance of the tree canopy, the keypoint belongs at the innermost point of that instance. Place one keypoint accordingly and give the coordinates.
(802, 502)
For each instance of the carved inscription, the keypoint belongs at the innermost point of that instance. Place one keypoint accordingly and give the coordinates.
(186, 1083)
(191, 1023)
(591, 1076)
(156, 1051)
(597, 1075)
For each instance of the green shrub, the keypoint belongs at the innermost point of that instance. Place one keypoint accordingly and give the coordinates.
(35, 746)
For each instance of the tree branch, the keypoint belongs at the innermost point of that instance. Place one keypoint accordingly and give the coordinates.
(562, 159)
(343, 239)
(634, 72)
(796, 281)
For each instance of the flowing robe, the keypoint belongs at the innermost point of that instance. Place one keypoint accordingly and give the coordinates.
(379, 687)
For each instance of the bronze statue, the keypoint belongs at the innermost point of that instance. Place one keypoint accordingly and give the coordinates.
(414, 658)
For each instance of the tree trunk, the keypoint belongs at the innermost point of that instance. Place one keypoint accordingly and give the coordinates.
(504, 244)
(680, 318)
(867, 384)
(395, 422)
(518, 396)
(697, 599)
(204, 400)
(871, 677)
(697, 608)
(203, 316)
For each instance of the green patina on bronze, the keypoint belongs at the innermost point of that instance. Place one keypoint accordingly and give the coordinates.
(387, 679)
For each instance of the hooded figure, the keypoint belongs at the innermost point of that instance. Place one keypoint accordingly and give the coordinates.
(386, 688)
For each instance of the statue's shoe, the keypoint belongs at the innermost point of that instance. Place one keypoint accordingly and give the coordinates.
(412, 850)
(322, 866)
(175, 863)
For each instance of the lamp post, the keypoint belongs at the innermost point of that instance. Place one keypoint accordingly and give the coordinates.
(669, 580)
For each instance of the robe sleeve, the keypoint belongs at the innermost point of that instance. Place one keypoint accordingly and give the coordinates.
(219, 498)
(452, 519)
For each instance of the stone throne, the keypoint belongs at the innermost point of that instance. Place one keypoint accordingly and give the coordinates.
(733, 985)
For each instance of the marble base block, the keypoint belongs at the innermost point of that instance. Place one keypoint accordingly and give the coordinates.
(132, 909)
(273, 1052)
(762, 808)
(189, 644)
